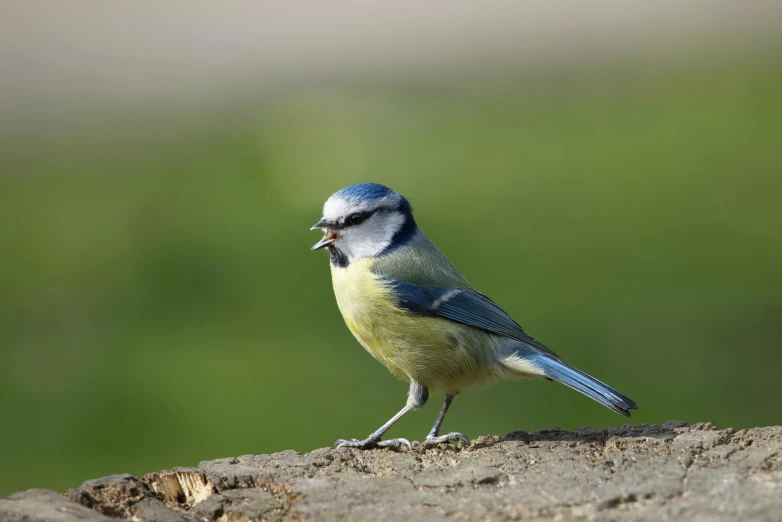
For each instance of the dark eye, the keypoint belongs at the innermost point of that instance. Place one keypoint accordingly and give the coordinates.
(356, 219)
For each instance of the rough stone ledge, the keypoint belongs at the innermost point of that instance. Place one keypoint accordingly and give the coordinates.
(661, 472)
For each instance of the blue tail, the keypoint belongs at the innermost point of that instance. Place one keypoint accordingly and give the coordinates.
(580, 381)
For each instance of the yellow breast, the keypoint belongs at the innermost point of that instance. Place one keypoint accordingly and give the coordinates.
(435, 352)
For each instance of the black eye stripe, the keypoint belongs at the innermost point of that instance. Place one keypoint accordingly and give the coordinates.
(355, 219)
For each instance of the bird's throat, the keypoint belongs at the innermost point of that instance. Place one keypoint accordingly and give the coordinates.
(337, 257)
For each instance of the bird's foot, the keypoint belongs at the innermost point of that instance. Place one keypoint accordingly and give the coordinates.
(373, 443)
(454, 436)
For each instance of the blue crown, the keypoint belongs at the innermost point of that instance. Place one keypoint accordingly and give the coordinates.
(364, 192)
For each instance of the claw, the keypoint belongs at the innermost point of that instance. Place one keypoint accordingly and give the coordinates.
(454, 436)
(343, 443)
(372, 443)
(395, 443)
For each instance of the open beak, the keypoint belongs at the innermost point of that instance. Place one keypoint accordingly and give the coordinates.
(328, 239)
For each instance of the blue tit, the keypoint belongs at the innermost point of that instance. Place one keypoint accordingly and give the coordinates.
(413, 311)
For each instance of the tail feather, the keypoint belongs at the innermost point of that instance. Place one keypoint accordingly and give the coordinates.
(582, 382)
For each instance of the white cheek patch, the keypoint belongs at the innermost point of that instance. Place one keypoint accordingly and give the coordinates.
(371, 237)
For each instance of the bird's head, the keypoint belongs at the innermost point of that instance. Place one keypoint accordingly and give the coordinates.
(364, 220)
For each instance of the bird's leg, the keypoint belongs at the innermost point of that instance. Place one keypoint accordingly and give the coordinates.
(434, 437)
(416, 398)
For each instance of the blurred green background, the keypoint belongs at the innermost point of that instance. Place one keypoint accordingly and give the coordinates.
(159, 304)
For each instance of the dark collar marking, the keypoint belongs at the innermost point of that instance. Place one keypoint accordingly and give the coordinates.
(337, 258)
(404, 234)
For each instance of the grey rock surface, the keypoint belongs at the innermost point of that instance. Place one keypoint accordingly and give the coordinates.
(653, 472)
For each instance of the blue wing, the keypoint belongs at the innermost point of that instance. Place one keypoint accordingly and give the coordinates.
(463, 306)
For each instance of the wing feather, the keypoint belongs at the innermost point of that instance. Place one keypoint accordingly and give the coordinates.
(465, 306)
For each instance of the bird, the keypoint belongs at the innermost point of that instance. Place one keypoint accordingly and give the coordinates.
(414, 312)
